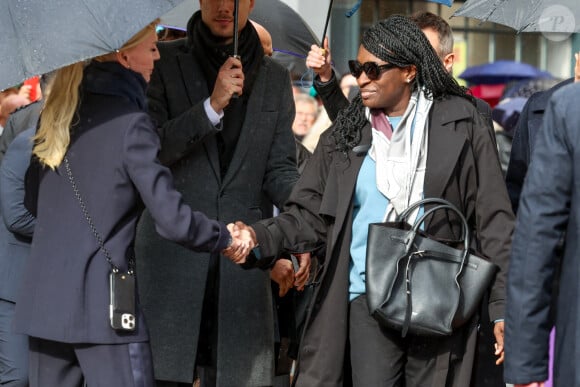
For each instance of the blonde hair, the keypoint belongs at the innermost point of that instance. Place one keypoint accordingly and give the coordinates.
(53, 136)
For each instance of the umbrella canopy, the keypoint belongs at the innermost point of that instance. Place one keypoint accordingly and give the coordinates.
(526, 15)
(39, 36)
(501, 71)
(291, 35)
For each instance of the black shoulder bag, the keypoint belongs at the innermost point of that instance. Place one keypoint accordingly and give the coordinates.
(417, 284)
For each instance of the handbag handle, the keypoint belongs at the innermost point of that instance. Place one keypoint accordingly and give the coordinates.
(465, 229)
(405, 214)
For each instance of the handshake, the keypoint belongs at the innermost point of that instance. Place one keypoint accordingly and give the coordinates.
(283, 271)
(243, 241)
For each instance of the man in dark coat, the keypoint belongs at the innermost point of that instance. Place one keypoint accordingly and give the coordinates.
(548, 207)
(526, 130)
(231, 158)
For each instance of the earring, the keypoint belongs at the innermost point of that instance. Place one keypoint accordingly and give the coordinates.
(408, 80)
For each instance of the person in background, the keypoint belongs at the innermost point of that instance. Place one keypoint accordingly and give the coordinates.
(548, 212)
(306, 113)
(405, 93)
(528, 126)
(265, 38)
(226, 122)
(15, 236)
(9, 104)
(25, 117)
(94, 168)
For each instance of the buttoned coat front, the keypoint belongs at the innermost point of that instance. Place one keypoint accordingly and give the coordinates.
(462, 167)
(262, 171)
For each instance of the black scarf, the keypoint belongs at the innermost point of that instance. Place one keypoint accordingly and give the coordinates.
(211, 52)
(111, 78)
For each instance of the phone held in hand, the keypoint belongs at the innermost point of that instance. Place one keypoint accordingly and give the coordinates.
(122, 301)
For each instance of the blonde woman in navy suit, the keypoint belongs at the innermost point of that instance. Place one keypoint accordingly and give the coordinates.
(96, 121)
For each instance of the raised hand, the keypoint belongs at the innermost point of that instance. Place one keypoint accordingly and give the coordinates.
(319, 60)
(229, 81)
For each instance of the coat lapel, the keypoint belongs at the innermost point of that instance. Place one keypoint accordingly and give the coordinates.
(347, 170)
(445, 145)
(254, 115)
(189, 70)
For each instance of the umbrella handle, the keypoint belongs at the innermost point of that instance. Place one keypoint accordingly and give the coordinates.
(236, 95)
(236, 13)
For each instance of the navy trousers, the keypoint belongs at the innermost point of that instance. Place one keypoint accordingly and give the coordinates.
(55, 364)
(13, 350)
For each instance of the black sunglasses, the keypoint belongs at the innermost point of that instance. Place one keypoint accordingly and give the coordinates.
(372, 69)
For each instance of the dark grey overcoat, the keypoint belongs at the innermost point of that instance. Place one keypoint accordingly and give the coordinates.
(263, 167)
(462, 167)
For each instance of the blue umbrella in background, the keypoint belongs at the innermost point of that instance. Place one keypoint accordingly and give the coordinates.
(501, 71)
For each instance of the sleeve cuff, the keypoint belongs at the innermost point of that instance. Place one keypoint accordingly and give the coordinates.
(214, 117)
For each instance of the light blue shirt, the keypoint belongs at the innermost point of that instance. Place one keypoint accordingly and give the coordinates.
(369, 206)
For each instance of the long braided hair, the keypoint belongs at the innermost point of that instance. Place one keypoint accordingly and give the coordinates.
(399, 41)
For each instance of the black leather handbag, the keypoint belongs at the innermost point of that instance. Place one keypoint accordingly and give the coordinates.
(420, 285)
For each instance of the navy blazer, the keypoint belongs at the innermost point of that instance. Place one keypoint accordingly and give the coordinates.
(113, 158)
(18, 224)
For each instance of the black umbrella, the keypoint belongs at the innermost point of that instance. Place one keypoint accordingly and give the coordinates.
(291, 35)
(39, 36)
(526, 15)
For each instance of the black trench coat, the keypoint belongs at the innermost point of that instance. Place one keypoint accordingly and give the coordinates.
(462, 167)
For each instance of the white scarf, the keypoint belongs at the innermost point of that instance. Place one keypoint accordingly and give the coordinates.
(401, 161)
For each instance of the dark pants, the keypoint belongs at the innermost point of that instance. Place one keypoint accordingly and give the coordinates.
(13, 350)
(55, 364)
(381, 358)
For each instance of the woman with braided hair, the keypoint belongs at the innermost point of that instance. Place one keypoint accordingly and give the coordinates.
(411, 133)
